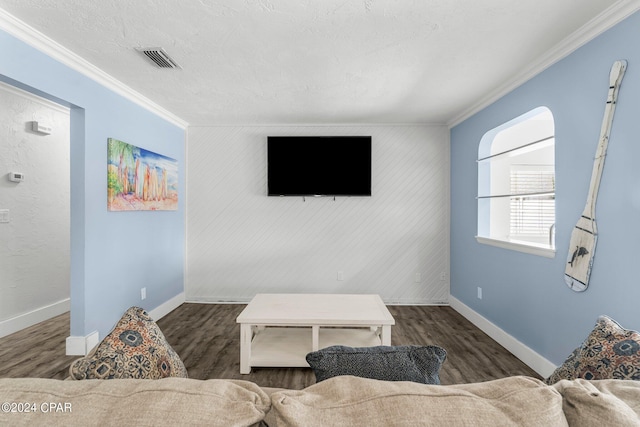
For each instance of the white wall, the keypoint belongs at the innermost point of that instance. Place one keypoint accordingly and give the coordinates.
(34, 245)
(241, 242)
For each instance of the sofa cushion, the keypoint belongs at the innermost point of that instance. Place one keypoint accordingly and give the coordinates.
(355, 401)
(609, 352)
(600, 402)
(168, 401)
(391, 363)
(135, 348)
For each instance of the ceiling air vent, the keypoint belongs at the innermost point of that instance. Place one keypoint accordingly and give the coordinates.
(158, 56)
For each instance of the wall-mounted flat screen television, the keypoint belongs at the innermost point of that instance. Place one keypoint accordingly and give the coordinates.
(319, 165)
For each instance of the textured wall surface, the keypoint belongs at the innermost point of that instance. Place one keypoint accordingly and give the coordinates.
(241, 242)
(34, 245)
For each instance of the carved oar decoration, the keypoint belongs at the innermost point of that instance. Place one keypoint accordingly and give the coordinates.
(583, 238)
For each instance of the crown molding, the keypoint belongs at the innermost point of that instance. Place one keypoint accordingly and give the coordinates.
(317, 125)
(610, 17)
(53, 49)
(6, 87)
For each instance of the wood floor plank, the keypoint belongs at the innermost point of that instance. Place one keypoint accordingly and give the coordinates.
(207, 338)
(37, 351)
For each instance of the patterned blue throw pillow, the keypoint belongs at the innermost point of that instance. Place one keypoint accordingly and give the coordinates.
(609, 352)
(419, 364)
(135, 348)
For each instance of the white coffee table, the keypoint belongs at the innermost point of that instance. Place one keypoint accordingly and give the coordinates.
(278, 330)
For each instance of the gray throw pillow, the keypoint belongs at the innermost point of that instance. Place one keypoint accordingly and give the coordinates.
(419, 364)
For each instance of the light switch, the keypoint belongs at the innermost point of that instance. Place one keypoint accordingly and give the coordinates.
(4, 215)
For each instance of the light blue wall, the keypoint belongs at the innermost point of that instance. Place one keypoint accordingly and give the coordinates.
(113, 254)
(523, 294)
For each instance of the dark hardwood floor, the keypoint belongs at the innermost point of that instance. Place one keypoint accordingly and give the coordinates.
(207, 338)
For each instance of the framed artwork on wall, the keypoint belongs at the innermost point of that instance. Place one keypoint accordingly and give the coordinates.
(140, 180)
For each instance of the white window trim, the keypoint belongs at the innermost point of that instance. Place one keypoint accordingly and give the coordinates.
(528, 247)
(497, 236)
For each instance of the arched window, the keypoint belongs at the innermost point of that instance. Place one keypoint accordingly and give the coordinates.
(516, 184)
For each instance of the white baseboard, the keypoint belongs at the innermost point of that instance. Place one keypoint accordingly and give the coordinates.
(81, 346)
(218, 300)
(167, 307)
(76, 346)
(236, 300)
(38, 315)
(534, 360)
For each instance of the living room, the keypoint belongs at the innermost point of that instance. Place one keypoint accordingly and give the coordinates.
(412, 242)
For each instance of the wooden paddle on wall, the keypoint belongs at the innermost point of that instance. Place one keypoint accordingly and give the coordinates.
(583, 238)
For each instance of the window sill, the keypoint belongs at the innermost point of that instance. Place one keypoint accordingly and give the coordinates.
(532, 248)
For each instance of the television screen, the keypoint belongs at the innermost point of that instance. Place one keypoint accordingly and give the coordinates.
(319, 166)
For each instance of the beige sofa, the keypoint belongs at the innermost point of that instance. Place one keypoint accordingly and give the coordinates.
(338, 401)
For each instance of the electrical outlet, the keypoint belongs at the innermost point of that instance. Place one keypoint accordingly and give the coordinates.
(479, 292)
(443, 276)
(143, 293)
(340, 276)
(418, 278)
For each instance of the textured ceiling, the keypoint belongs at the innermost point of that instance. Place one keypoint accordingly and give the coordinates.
(311, 61)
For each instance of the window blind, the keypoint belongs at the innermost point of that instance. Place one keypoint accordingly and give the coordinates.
(532, 202)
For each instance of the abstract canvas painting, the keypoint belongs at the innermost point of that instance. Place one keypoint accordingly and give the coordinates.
(138, 179)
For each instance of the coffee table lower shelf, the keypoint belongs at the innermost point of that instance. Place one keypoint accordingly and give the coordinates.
(288, 346)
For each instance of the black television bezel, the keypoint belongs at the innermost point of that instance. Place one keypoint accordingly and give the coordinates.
(317, 138)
